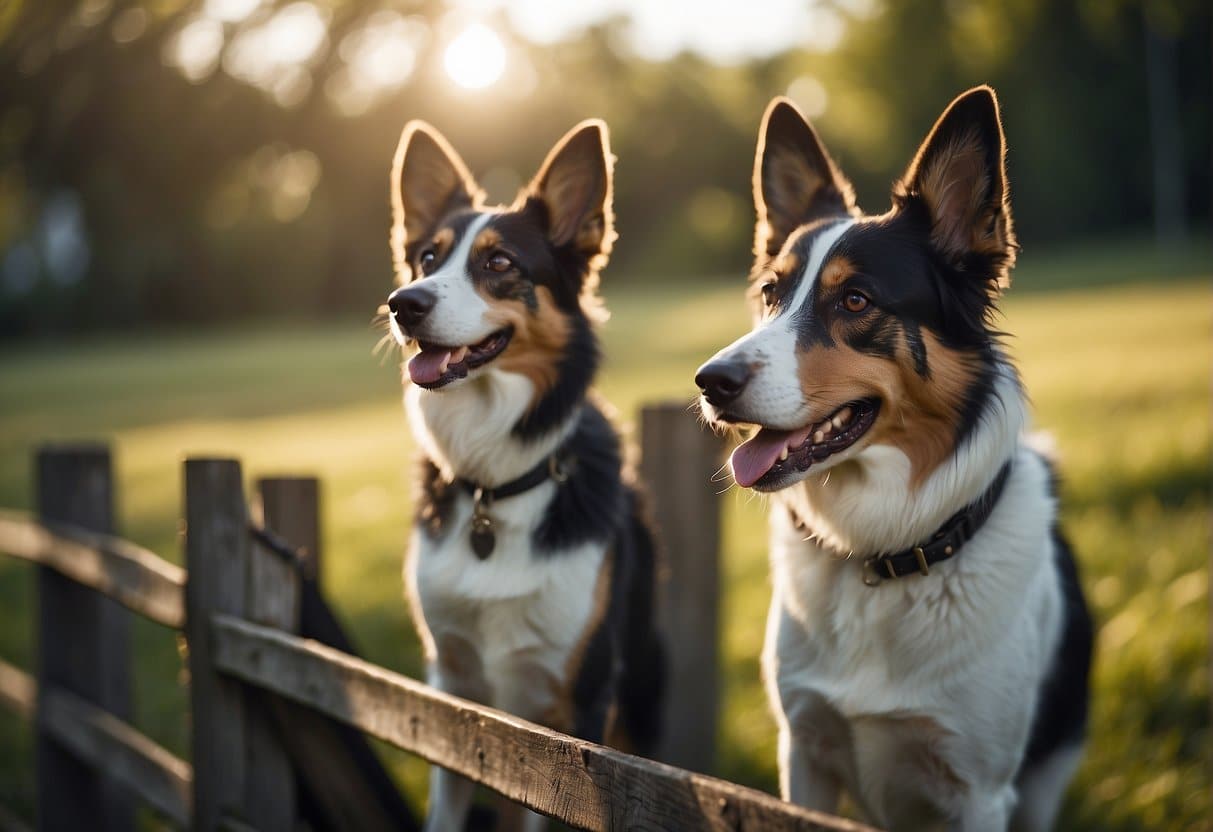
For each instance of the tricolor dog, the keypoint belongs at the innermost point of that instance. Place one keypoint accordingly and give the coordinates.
(928, 644)
(531, 570)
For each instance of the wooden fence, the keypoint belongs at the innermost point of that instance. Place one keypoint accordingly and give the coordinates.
(262, 698)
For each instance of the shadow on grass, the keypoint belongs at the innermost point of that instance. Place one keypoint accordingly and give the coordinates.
(1173, 488)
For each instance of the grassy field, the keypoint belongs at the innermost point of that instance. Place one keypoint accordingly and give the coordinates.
(1115, 350)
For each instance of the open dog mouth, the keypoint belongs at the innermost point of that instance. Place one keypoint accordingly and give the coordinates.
(437, 366)
(766, 459)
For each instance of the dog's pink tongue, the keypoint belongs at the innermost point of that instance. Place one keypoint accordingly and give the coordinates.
(426, 367)
(754, 457)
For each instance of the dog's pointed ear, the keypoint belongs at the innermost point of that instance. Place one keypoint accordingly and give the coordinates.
(959, 175)
(429, 180)
(575, 186)
(795, 180)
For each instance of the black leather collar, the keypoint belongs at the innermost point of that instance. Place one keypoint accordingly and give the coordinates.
(483, 536)
(943, 545)
(555, 467)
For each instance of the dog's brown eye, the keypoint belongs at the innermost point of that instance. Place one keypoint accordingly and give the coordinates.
(499, 263)
(855, 301)
(768, 292)
(426, 260)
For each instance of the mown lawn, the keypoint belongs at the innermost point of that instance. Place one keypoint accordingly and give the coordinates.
(1115, 349)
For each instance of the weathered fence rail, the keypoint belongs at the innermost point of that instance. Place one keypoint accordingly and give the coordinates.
(133, 576)
(262, 697)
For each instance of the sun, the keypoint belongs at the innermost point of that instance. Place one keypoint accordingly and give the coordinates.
(475, 58)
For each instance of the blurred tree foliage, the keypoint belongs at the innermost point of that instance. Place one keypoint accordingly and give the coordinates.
(138, 192)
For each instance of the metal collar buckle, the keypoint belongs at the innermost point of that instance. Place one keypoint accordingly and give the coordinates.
(870, 576)
(558, 469)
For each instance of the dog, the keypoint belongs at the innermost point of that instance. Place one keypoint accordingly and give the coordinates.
(928, 645)
(531, 568)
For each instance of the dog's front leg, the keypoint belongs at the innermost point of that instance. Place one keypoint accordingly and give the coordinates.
(985, 811)
(451, 794)
(450, 800)
(801, 779)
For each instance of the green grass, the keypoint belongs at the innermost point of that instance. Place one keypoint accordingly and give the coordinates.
(1114, 351)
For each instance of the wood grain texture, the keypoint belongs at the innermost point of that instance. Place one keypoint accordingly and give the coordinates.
(272, 598)
(584, 785)
(678, 460)
(290, 506)
(137, 578)
(216, 556)
(83, 645)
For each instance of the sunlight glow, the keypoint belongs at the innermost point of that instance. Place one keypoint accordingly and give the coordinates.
(275, 55)
(195, 49)
(475, 58)
(722, 31)
(377, 58)
(230, 11)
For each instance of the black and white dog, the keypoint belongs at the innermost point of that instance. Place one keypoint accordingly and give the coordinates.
(928, 644)
(531, 571)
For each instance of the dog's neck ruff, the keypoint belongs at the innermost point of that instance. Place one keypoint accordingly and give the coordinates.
(943, 545)
(483, 535)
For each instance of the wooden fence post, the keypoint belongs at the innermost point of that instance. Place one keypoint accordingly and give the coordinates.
(290, 506)
(84, 644)
(329, 757)
(678, 459)
(273, 598)
(241, 774)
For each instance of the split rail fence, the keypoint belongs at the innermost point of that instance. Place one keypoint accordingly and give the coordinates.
(264, 701)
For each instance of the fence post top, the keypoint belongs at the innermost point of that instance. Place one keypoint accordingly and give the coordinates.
(77, 448)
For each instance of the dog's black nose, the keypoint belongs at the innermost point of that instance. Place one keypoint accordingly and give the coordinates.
(722, 381)
(410, 305)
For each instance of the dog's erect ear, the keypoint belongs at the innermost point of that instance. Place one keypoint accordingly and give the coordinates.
(429, 180)
(575, 187)
(795, 180)
(960, 176)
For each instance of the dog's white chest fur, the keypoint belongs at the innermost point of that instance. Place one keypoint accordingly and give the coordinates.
(512, 621)
(918, 692)
(504, 629)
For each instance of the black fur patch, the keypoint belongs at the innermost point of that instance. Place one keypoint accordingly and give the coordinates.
(1060, 720)
(591, 504)
(435, 501)
(575, 373)
(918, 350)
(624, 661)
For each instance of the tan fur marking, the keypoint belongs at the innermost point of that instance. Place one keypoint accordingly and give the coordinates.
(539, 340)
(443, 241)
(919, 416)
(602, 599)
(778, 270)
(485, 241)
(836, 271)
(787, 263)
